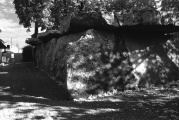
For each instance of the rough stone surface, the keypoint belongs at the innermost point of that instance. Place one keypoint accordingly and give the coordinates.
(33, 41)
(97, 61)
(154, 58)
(94, 60)
(48, 35)
(86, 62)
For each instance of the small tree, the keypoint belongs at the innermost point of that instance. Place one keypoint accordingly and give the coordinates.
(49, 13)
(32, 11)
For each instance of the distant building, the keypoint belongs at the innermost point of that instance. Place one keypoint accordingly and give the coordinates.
(12, 47)
(2, 47)
(10, 53)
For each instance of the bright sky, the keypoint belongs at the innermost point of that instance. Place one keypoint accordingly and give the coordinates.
(9, 25)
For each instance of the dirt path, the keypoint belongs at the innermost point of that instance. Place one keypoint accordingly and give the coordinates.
(23, 78)
(28, 94)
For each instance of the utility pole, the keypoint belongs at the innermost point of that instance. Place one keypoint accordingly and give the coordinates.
(17, 47)
(11, 42)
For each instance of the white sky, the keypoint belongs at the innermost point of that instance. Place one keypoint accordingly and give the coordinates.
(9, 25)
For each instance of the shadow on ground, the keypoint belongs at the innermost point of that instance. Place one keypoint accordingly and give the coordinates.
(124, 106)
(33, 95)
(24, 79)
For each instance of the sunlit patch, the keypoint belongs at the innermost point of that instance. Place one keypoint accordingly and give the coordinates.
(99, 111)
(108, 66)
(3, 64)
(76, 85)
(5, 93)
(139, 55)
(24, 110)
(172, 47)
(175, 58)
(141, 68)
(28, 96)
(140, 60)
(83, 73)
(2, 93)
(3, 73)
(158, 58)
(3, 88)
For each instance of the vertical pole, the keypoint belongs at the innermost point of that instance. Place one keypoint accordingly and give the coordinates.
(11, 43)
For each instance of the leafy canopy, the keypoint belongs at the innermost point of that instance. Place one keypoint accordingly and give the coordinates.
(29, 11)
(48, 13)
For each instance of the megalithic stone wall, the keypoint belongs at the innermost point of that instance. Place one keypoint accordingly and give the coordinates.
(90, 53)
(89, 61)
(94, 60)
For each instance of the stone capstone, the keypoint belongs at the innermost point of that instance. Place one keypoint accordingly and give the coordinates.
(33, 41)
(106, 21)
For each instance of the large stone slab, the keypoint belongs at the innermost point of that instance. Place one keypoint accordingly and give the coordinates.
(33, 41)
(87, 62)
(97, 61)
(106, 21)
(154, 58)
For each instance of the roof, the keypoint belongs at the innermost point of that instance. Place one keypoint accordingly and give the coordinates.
(9, 52)
(1, 44)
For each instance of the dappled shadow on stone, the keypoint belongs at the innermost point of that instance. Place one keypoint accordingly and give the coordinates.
(93, 61)
(154, 63)
(96, 64)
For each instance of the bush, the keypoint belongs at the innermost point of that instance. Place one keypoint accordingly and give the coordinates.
(27, 54)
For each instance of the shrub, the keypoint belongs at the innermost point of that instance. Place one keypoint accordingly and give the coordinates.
(27, 54)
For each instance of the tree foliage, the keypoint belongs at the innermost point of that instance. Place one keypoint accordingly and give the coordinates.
(29, 11)
(170, 11)
(49, 13)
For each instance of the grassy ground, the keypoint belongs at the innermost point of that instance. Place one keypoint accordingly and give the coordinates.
(28, 94)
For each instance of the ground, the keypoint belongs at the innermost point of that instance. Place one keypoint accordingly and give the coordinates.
(27, 93)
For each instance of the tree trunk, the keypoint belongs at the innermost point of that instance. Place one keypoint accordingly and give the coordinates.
(36, 30)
